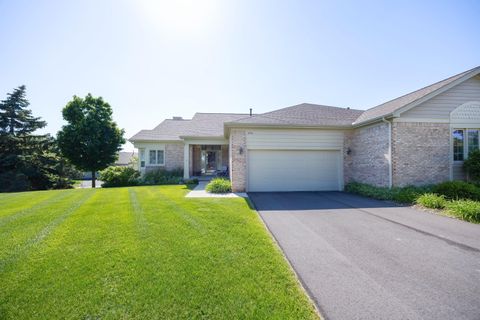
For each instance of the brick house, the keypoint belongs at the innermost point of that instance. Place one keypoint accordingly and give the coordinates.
(420, 138)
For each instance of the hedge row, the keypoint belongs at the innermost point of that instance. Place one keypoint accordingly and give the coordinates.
(458, 198)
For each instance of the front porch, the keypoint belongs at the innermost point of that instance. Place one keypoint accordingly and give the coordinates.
(206, 160)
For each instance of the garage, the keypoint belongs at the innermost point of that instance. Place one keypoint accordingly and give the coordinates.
(294, 170)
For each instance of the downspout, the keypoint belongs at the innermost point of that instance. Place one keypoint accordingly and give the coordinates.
(390, 167)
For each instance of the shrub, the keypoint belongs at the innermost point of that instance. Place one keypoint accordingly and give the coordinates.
(408, 194)
(432, 200)
(472, 165)
(468, 210)
(367, 190)
(191, 181)
(162, 176)
(119, 177)
(455, 190)
(403, 195)
(219, 185)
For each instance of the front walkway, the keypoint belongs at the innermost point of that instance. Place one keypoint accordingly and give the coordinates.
(200, 192)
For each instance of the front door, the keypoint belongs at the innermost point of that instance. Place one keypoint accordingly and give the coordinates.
(211, 163)
(210, 160)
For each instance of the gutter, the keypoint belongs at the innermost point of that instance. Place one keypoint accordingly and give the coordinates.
(390, 167)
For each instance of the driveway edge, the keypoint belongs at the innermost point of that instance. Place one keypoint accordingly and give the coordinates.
(299, 279)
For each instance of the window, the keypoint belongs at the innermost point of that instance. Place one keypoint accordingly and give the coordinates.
(464, 142)
(142, 158)
(156, 157)
(458, 151)
(472, 135)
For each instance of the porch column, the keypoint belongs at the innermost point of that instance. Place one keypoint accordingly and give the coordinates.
(186, 161)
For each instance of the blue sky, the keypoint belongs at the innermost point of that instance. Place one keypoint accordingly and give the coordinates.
(152, 60)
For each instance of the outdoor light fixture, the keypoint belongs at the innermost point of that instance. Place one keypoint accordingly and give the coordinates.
(240, 150)
(349, 151)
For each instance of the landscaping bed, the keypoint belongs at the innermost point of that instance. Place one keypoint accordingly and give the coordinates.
(454, 198)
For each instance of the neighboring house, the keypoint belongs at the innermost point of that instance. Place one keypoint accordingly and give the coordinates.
(419, 138)
(126, 158)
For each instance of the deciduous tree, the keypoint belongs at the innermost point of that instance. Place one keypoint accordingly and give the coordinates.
(91, 140)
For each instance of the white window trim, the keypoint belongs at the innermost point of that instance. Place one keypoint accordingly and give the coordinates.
(465, 143)
(147, 154)
(141, 154)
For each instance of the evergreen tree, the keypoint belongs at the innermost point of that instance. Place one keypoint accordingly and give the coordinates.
(15, 118)
(27, 161)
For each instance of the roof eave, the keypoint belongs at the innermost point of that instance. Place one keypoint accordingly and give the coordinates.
(153, 140)
(296, 126)
(374, 120)
(201, 137)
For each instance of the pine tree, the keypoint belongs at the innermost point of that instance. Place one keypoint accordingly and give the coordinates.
(15, 118)
(27, 161)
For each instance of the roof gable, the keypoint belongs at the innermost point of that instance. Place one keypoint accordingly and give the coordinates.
(410, 100)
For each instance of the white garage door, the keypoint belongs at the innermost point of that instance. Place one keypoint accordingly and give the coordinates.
(293, 170)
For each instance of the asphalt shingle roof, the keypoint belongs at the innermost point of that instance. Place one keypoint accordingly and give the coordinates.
(201, 125)
(391, 106)
(305, 114)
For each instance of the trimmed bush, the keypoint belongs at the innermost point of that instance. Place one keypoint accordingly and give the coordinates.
(403, 195)
(408, 194)
(162, 176)
(119, 177)
(219, 185)
(472, 165)
(432, 200)
(456, 190)
(369, 191)
(191, 181)
(468, 210)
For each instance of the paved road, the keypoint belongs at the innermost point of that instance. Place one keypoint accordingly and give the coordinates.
(365, 259)
(88, 184)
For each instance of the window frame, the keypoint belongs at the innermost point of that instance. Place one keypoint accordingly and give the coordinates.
(157, 153)
(141, 153)
(466, 144)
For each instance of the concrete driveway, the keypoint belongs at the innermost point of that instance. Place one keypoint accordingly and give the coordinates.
(365, 259)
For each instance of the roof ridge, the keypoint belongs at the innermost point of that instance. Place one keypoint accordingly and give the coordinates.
(235, 113)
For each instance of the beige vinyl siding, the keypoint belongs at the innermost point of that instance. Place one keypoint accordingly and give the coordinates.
(440, 106)
(294, 139)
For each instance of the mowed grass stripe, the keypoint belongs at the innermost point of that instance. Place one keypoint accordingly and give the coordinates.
(127, 253)
(138, 213)
(80, 265)
(166, 199)
(57, 197)
(232, 263)
(21, 202)
(21, 235)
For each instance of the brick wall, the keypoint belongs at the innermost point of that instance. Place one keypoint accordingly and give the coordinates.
(368, 159)
(347, 158)
(173, 156)
(238, 162)
(420, 153)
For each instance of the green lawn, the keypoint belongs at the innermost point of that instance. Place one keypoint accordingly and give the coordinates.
(140, 253)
